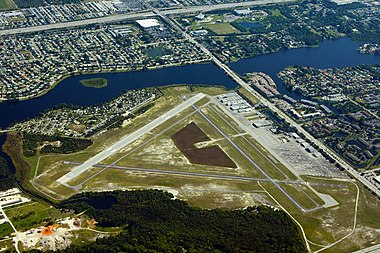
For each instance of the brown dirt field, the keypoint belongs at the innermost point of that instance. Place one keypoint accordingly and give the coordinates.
(187, 137)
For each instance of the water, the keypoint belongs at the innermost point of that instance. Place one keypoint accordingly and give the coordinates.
(5, 156)
(71, 91)
(249, 25)
(338, 53)
(333, 53)
(101, 202)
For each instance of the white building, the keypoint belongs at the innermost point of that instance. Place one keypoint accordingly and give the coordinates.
(146, 23)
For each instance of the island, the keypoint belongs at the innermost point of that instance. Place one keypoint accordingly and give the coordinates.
(95, 82)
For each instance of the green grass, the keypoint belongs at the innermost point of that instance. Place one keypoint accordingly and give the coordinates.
(216, 18)
(157, 51)
(201, 192)
(298, 196)
(7, 5)
(276, 13)
(95, 82)
(7, 244)
(259, 159)
(249, 95)
(220, 122)
(222, 28)
(225, 118)
(5, 229)
(83, 176)
(267, 155)
(32, 215)
(311, 194)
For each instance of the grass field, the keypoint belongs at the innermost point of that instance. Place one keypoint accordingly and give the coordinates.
(249, 95)
(53, 167)
(226, 124)
(7, 5)
(32, 215)
(201, 192)
(281, 169)
(222, 28)
(5, 230)
(323, 226)
(85, 175)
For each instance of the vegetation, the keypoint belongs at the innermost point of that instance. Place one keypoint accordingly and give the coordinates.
(52, 144)
(158, 51)
(7, 5)
(6, 177)
(31, 215)
(153, 221)
(29, 3)
(222, 28)
(13, 148)
(95, 82)
(5, 229)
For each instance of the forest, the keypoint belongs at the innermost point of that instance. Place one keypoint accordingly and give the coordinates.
(154, 221)
(62, 145)
(7, 180)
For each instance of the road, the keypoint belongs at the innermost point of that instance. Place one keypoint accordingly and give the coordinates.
(353, 226)
(128, 139)
(13, 227)
(142, 14)
(240, 81)
(274, 108)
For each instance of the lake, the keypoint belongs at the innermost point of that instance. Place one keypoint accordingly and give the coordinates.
(333, 53)
(71, 91)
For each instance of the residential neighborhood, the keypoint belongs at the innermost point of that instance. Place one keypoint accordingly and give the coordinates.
(32, 64)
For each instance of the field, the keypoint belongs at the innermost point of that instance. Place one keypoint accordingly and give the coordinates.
(5, 230)
(167, 158)
(222, 28)
(31, 215)
(188, 137)
(7, 5)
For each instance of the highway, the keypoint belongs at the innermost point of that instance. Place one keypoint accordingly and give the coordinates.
(142, 14)
(274, 108)
(128, 139)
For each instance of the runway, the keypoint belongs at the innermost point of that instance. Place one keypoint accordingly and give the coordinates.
(128, 139)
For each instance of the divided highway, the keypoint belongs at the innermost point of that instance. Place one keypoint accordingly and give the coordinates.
(142, 14)
(273, 107)
(128, 139)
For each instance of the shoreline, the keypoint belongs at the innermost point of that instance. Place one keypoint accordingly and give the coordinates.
(141, 69)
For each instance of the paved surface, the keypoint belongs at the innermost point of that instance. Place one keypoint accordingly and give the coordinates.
(248, 158)
(142, 14)
(372, 249)
(128, 139)
(196, 174)
(275, 109)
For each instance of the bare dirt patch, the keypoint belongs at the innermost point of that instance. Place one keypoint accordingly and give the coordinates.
(185, 140)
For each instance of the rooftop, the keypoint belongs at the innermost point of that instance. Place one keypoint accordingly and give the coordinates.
(146, 23)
